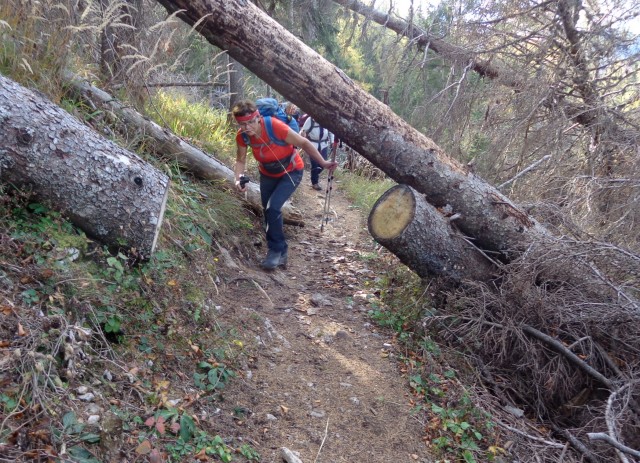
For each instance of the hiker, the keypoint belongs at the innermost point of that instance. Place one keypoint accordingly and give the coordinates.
(292, 110)
(322, 139)
(273, 144)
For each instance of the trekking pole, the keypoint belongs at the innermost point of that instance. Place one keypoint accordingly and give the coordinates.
(327, 196)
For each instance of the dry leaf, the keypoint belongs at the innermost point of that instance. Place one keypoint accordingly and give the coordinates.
(21, 331)
(47, 273)
(284, 409)
(172, 283)
(202, 455)
(155, 456)
(144, 448)
(160, 426)
(162, 384)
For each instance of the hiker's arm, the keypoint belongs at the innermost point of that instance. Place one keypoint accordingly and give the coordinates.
(297, 140)
(241, 165)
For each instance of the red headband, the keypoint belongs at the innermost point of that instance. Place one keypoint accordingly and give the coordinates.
(248, 117)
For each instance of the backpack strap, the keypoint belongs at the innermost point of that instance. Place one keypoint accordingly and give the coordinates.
(322, 133)
(269, 126)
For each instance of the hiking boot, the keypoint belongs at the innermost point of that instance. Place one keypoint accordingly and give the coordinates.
(283, 259)
(272, 260)
(316, 187)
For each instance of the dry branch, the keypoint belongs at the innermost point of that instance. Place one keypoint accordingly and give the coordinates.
(573, 358)
(594, 436)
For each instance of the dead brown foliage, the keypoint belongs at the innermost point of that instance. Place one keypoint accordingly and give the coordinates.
(557, 335)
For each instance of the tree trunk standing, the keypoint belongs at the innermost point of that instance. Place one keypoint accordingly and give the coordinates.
(423, 239)
(592, 113)
(363, 122)
(424, 39)
(236, 83)
(168, 145)
(105, 190)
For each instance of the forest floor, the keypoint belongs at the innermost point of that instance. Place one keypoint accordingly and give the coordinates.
(209, 346)
(324, 381)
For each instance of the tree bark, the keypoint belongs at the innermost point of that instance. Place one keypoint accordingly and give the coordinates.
(364, 123)
(424, 239)
(236, 83)
(168, 145)
(107, 191)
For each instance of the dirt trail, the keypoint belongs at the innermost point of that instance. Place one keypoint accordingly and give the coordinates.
(324, 381)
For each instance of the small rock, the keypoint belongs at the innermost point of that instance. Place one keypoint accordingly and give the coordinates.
(514, 411)
(93, 419)
(354, 400)
(317, 413)
(82, 390)
(88, 397)
(270, 417)
(93, 409)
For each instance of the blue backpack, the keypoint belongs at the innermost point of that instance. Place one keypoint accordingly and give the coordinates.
(268, 108)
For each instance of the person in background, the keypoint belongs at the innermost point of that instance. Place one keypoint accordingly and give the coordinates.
(281, 170)
(292, 110)
(322, 139)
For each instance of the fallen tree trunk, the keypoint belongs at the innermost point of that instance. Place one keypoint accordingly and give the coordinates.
(107, 191)
(168, 145)
(424, 239)
(363, 122)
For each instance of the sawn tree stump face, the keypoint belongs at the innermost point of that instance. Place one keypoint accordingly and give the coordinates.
(423, 239)
(107, 191)
(392, 213)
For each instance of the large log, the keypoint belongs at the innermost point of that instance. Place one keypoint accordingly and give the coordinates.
(424, 239)
(105, 190)
(363, 122)
(169, 146)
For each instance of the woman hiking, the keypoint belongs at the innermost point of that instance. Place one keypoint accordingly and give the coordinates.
(273, 144)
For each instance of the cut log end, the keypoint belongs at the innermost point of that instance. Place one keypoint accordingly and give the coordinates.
(392, 213)
(423, 239)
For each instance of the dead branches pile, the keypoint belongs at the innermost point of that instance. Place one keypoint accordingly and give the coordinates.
(562, 344)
